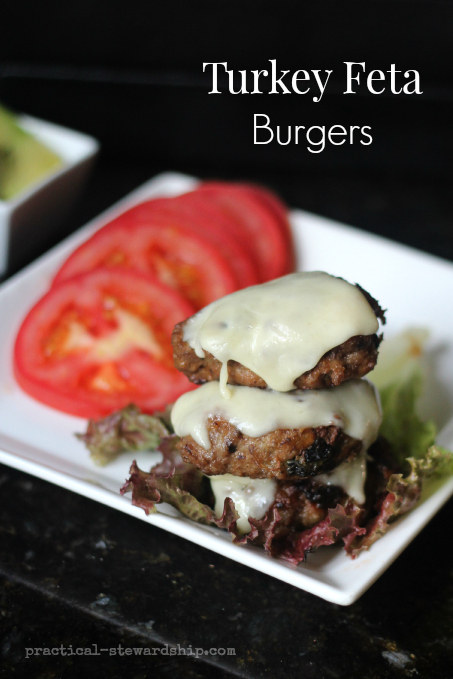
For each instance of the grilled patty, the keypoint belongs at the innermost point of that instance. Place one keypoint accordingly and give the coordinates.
(283, 454)
(353, 359)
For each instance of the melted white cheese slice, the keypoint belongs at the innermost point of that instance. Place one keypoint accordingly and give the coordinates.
(282, 328)
(252, 497)
(353, 406)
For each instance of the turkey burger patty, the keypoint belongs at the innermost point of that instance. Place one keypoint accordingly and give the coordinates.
(305, 331)
(261, 433)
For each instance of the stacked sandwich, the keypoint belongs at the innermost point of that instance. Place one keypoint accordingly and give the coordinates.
(283, 421)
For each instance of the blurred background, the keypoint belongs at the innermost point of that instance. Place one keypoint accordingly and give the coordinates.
(131, 75)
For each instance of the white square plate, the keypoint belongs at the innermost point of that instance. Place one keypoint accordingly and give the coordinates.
(412, 285)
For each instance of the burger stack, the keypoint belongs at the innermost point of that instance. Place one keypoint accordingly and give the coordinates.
(283, 417)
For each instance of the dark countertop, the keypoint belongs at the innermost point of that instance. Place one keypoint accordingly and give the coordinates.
(77, 573)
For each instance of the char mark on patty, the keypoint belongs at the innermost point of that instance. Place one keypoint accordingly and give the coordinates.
(379, 312)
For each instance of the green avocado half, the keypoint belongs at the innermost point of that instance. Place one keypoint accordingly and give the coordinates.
(23, 159)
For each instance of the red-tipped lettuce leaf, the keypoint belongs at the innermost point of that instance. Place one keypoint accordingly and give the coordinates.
(177, 483)
(340, 523)
(125, 430)
(403, 493)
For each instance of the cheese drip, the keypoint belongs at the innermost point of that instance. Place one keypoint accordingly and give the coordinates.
(251, 497)
(282, 328)
(350, 476)
(353, 406)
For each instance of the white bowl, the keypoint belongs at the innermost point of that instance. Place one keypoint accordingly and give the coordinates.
(27, 218)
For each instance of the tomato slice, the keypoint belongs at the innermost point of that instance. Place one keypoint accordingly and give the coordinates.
(207, 221)
(99, 341)
(279, 210)
(261, 228)
(174, 254)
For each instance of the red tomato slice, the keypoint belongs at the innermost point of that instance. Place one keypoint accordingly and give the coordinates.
(261, 229)
(207, 221)
(174, 254)
(99, 341)
(276, 207)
